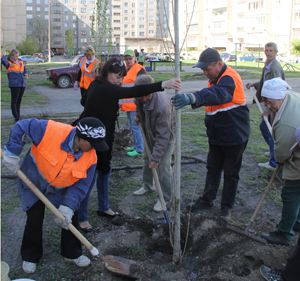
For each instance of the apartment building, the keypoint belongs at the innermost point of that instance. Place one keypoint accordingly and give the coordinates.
(134, 23)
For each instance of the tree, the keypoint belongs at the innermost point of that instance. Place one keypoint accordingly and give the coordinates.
(69, 40)
(101, 28)
(296, 45)
(27, 46)
(40, 32)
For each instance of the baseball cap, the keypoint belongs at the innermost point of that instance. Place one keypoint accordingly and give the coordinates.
(92, 130)
(129, 53)
(207, 57)
(297, 139)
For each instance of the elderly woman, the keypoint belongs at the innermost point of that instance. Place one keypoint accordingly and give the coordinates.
(283, 106)
(88, 66)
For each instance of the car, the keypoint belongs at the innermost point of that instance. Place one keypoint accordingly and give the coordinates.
(297, 60)
(57, 53)
(38, 55)
(28, 59)
(250, 57)
(64, 76)
(227, 56)
(189, 56)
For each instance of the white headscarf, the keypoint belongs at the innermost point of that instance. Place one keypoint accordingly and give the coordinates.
(274, 89)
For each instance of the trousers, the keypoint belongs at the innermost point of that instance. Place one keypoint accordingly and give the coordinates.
(32, 243)
(138, 142)
(16, 98)
(229, 160)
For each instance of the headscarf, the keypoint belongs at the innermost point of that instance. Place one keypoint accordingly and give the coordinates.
(274, 89)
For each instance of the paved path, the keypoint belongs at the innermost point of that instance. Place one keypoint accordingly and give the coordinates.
(68, 100)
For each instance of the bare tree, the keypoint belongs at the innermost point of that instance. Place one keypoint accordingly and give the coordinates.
(40, 32)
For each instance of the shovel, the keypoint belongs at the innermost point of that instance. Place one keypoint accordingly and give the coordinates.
(158, 187)
(117, 265)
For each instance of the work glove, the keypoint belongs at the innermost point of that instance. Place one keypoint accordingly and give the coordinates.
(182, 100)
(11, 163)
(67, 213)
(76, 85)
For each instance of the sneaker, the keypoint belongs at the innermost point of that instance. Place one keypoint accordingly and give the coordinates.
(269, 274)
(142, 191)
(130, 148)
(82, 261)
(28, 267)
(200, 204)
(225, 215)
(133, 153)
(266, 165)
(157, 207)
(276, 237)
(267, 154)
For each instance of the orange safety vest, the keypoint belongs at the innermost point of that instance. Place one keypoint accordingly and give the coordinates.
(15, 67)
(87, 77)
(128, 81)
(238, 95)
(57, 165)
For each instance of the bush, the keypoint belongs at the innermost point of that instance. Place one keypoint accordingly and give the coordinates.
(296, 45)
(27, 46)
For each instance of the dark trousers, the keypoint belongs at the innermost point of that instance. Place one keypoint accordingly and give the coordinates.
(82, 91)
(32, 244)
(291, 272)
(16, 98)
(229, 160)
(141, 63)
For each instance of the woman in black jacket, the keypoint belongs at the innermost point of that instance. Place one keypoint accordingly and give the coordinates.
(102, 102)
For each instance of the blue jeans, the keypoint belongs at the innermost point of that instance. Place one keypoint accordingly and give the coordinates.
(138, 142)
(102, 187)
(83, 208)
(269, 140)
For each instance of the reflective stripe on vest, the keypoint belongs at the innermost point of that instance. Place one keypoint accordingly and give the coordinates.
(56, 165)
(14, 67)
(87, 77)
(238, 94)
(129, 79)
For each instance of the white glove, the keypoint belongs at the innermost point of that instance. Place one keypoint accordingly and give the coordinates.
(11, 163)
(76, 85)
(67, 213)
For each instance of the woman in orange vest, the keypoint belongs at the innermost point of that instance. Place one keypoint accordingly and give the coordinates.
(133, 71)
(89, 64)
(17, 80)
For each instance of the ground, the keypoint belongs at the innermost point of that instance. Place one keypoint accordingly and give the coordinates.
(211, 252)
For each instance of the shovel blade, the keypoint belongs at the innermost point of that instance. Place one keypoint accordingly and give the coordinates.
(120, 266)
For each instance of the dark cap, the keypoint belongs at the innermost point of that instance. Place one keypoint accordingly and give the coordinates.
(297, 140)
(207, 57)
(92, 130)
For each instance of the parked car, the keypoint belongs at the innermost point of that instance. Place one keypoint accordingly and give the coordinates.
(251, 57)
(297, 60)
(64, 76)
(227, 56)
(190, 56)
(28, 59)
(57, 53)
(38, 55)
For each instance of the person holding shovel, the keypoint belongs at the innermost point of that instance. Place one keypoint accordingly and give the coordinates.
(61, 163)
(156, 115)
(228, 129)
(283, 106)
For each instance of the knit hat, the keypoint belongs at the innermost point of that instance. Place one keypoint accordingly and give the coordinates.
(129, 53)
(274, 89)
(207, 57)
(92, 130)
(297, 139)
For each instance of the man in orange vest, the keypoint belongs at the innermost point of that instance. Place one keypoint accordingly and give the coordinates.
(133, 71)
(228, 129)
(61, 163)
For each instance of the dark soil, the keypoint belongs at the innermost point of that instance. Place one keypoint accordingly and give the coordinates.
(211, 251)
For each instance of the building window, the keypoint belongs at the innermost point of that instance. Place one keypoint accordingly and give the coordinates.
(66, 25)
(219, 11)
(151, 3)
(133, 26)
(74, 2)
(125, 11)
(83, 10)
(92, 2)
(56, 19)
(66, 1)
(297, 16)
(74, 32)
(133, 5)
(218, 24)
(46, 17)
(141, 26)
(125, 25)
(74, 10)
(151, 17)
(56, 12)
(38, 16)
(29, 24)
(74, 17)
(151, 31)
(142, 12)
(83, 25)
(117, 28)
(38, 1)
(117, 14)
(151, 10)
(83, 2)
(255, 5)
(83, 40)
(142, 33)
(91, 17)
(157, 18)
(125, 33)
(133, 11)
(125, 4)
(141, 19)
(133, 19)
(125, 18)
(142, 4)
(117, 21)
(29, 16)
(165, 19)
(151, 24)
(132, 33)
(29, 8)
(240, 29)
(83, 32)
(83, 17)
(91, 10)
(74, 40)
(46, 9)
(47, 2)
(66, 17)
(56, 4)
(29, 1)
(38, 9)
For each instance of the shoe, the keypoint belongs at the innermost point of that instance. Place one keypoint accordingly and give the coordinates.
(82, 261)
(142, 191)
(157, 207)
(200, 204)
(133, 153)
(276, 237)
(269, 274)
(28, 267)
(130, 148)
(87, 229)
(104, 214)
(225, 215)
(266, 165)
(267, 154)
